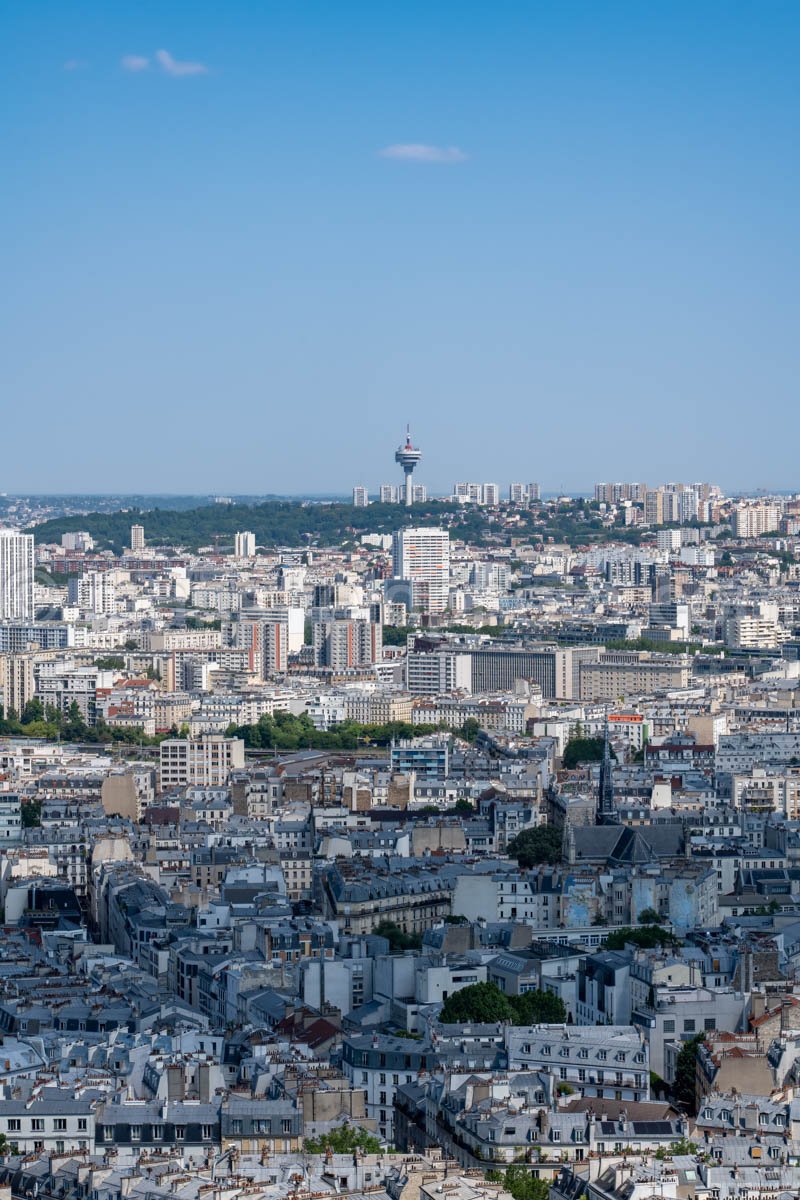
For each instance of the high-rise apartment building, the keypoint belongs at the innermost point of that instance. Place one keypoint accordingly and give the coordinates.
(754, 520)
(524, 493)
(244, 545)
(390, 493)
(94, 592)
(344, 643)
(422, 556)
(360, 497)
(16, 575)
(419, 493)
(137, 538)
(477, 493)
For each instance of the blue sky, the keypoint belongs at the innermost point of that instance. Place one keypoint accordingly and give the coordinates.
(246, 242)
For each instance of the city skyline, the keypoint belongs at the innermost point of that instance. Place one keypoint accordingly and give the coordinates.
(563, 235)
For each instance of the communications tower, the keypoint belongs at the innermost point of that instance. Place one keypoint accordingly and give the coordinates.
(408, 457)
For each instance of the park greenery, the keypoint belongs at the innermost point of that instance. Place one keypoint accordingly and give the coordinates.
(534, 846)
(285, 731)
(485, 1004)
(281, 731)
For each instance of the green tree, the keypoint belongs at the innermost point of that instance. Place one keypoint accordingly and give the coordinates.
(649, 916)
(111, 662)
(470, 729)
(682, 1146)
(395, 635)
(686, 1074)
(397, 938)
(33, 711)
(31, 813)
(480, 1003)
(534, 846)
(646, 937)
(347, 1139)
(538, 1008)
(518, 1180)
(582, 750)
(74, 728)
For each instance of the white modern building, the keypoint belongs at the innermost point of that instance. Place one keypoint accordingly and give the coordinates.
(16, 575)
(422, 556)
(244, 545)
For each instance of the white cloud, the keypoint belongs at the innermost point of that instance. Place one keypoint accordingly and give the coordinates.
(75, 64)
(419, 152)
(134, 62)
(171, 66)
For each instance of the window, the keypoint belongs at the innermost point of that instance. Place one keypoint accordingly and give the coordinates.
(60, 1124)
(287, 1125)
(601, 1056)
(236, 1126)
(556, 1135)
(180, 1133)
(207, 1132)
(689, 1025)
(669, 1026)
(136, 1133)
(14, 1125)
(158, 1132)
(81, 1124)
(37, 1124)
(709, 1023)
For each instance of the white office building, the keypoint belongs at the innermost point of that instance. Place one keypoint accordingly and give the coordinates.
(16, 575)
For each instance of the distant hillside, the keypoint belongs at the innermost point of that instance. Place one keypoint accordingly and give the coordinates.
(275, 523)
(293, 523)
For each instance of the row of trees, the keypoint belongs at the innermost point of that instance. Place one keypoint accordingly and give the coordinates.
(485, 1004)
(52, 724)
(285, 731)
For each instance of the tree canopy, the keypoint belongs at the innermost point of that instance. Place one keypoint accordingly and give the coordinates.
(518, 1180)
(397, 938)
(685, 1074)
(534, 846)
(582, 750)
(485, 1004)
(645, 936)
(344, 1140)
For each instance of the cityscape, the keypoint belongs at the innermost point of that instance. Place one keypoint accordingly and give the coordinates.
(463, 855)
(400, 601)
